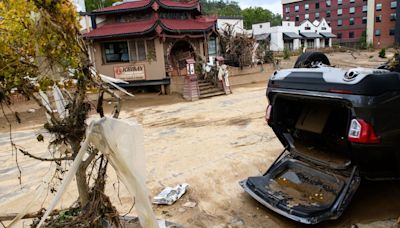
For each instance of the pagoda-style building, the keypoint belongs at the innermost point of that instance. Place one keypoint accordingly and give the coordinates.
(147, 42)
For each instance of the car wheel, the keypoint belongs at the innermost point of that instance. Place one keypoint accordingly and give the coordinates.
(309, 59)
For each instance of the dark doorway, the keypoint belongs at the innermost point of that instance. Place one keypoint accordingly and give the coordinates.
(181, 51)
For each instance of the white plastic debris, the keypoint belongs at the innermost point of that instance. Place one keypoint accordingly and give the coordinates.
(31, 110)
(61, 103)
(169, 195)
(190, 204)
(46, 104)
(122, 143)
(112, 81)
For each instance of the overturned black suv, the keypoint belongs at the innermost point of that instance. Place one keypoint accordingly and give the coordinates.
(337, 126)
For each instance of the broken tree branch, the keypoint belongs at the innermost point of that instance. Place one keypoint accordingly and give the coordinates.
(26, 153)
(11, 216)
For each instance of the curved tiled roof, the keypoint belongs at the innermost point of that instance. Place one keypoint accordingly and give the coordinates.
(141, 4)
(174, 4)
(175, 25)
(122, 29)
(201, 24)
(144, 4)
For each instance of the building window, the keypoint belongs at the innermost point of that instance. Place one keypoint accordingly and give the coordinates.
(317, 5)
(287, 9)
(351, 35)
(316, 15)
(212, 46)
(393, 16)
(260, 26)
(352, 10)
(339, 35)
(297, 18)
(306, 6)
(352, 1)
(339, 2)
(296, 8)
(287, 18)
(339, 22)
(323, 28)
(378, 32)
(339, 12)
(116, 52)
(306, 16)
(351, 21)
(365, 8)
(364, 20)
(328, 3)
(378, 18)
(379, 7)
(328, 13)
(393, 5)
(392, 32)
(138, 50)
(307, 28)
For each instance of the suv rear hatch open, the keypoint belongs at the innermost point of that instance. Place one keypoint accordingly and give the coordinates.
(314, 179)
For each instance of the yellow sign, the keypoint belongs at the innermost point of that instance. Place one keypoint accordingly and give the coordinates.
(136, 72)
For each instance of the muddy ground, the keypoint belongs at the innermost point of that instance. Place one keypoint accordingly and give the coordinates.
(210, 144)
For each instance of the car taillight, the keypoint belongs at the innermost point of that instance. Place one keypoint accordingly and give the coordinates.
(268, 113)
(362, 132)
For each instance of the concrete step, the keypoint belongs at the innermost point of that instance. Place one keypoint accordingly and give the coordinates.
(208, 95)
(205, 87)
(211, 90)
(205, 83)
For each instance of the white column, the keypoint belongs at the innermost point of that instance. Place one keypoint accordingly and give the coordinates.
(371, 22)
(296, 44)
(317, 43)
(330, 42)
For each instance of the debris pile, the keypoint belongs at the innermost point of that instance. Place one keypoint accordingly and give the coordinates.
(237, 48)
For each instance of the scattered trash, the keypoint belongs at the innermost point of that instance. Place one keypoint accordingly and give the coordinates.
(169, 195)
(237, 222)
(31, 110)
(190, 204)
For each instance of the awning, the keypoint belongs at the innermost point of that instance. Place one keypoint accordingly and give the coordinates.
(291, 36)
(262, 36)
(310, 35)
(327, 34)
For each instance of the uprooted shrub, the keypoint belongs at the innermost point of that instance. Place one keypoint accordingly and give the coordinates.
(237, 48)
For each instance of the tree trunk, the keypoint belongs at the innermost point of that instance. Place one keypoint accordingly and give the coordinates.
(81, 178)
(83, 187)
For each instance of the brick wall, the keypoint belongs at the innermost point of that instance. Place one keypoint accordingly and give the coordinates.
(344, 30)
(385, 39)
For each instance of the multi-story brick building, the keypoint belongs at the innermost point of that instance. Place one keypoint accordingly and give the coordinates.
(350, 19)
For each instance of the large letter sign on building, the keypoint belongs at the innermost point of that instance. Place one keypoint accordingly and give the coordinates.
(135, 72)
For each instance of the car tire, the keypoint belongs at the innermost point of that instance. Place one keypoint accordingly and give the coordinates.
(308, 59)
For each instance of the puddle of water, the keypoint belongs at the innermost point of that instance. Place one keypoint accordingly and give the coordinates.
(302, 189)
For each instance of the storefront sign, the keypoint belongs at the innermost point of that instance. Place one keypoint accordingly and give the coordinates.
(136, 72)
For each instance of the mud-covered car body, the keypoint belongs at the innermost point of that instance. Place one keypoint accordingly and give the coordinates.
(337, 126)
